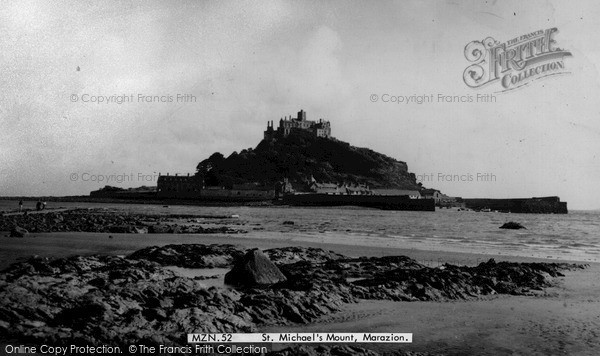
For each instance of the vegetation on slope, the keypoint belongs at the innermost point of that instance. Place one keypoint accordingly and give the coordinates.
(300, 156)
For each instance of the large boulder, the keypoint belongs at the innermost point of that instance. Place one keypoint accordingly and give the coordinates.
(254, 269)
(512, 225)
(18, 231)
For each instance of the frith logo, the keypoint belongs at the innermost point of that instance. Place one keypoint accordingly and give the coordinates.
(514, 63)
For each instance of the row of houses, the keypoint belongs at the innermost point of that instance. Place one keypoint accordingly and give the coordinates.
(193, 187)
(362, 189)
(341, 189)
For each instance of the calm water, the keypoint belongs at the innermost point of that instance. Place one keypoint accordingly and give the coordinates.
(573, 236)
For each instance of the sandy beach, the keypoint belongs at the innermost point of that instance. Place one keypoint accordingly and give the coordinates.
(64, 244)
(562, 320)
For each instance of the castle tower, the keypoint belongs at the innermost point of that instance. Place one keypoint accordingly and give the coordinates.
(269, 133)
(301, 115)
(320, 128)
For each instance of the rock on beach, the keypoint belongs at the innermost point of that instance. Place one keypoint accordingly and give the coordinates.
(254, 270)
(512, 225)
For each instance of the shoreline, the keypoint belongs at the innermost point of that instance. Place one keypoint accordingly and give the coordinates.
(455, 234)
(64, 244)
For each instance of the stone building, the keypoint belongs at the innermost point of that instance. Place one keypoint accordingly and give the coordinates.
(337, 189)
(192, 187)
(321, 128)
(171, 186)
(326, 188)
(434, 194)
(412, 194)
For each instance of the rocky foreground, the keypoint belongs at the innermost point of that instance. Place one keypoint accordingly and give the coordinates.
(112, 221)
(136, 300)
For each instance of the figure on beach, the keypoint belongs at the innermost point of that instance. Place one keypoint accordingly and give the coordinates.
(38, 205)
(20, 205)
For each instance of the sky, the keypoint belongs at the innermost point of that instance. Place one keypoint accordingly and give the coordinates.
(246, 63)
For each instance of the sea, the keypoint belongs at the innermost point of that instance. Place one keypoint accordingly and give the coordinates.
(574, 236)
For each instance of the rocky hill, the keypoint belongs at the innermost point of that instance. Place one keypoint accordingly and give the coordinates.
(302, 155)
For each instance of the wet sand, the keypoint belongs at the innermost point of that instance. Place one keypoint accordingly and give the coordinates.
(63, 244)
(564, 319)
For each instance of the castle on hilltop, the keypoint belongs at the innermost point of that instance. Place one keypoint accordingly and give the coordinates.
(319, 128)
